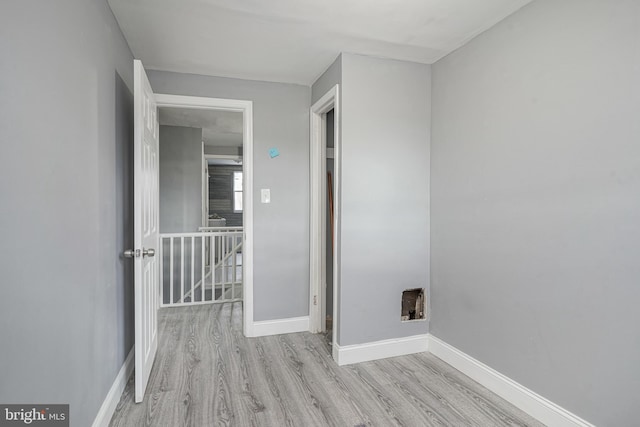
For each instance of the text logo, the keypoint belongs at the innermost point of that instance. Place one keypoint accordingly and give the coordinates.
(34, 415)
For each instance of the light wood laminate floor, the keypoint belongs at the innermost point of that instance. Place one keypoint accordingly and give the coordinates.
(207, 373)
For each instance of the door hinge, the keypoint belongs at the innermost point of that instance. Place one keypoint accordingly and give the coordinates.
(315, 300)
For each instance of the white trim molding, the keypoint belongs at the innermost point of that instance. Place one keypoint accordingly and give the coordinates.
(356, 353)
(530, 402)
(280, 326)
(115, 392)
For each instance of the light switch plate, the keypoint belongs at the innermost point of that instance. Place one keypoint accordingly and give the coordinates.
(265, 195)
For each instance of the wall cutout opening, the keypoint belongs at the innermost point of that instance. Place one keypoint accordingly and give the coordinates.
(412, 305)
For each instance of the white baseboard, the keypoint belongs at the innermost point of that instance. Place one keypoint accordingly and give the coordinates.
(530, 402)
(113, 397)
(356, 353)
(280, 326)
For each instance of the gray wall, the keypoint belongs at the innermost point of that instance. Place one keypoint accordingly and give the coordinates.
(535, 178)
(385, 115)
(66, 321)
(281, 239)
(181, 171)
(331, 77)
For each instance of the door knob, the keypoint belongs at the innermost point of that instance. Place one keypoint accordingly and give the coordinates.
(148, 252)
(131, 253)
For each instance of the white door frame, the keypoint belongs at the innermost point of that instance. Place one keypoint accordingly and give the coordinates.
(318, 206)
(246, 108)
(205, 189)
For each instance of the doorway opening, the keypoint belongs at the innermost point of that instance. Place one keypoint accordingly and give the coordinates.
(200, 203)
(329, 222)
(225, 182)
(324, 303)
(207, 245)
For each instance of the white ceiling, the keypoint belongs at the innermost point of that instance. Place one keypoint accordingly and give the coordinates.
(219, 128)
(294, 41)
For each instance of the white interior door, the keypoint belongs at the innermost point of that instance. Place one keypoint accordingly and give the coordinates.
(147, 290)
